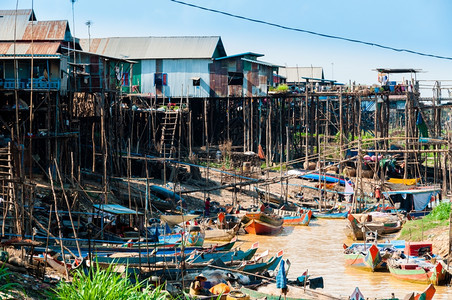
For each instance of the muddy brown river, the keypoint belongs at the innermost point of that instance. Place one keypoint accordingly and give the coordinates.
(318, 249)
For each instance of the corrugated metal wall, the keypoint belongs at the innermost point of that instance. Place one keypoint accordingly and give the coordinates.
(179, 81)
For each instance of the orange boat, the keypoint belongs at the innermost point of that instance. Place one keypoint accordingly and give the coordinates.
(262, 223)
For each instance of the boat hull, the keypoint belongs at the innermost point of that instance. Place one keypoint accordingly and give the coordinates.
(302, 220)
(434, 276)
(260, 228)
(341, 215)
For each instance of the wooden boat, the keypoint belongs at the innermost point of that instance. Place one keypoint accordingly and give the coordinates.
(215, 234)
(135, 259)
(355, 229)
(329, 178)
(166, 194)
(270, 292)
(427, 294)
(302, 219)
(257, 267)
(172, 256)
(417, 270)
(193, 237)
(173, 220)
(299, 217)
(369, 257)
(196, 258)
(265, 197)
(330, 215)
(262, 223)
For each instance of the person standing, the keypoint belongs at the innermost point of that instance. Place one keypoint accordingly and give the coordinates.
(377, 193)
(207, 207)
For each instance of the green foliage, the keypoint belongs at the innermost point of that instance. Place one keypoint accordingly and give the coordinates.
(414, 230)
(439, 213)
(106, 284)
(282, 88)
(6, 287)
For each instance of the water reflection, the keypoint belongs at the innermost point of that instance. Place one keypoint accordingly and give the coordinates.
(318, 249)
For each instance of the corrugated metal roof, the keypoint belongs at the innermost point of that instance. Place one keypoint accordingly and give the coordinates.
(44, 48)
(240, 54)
(156, 47)
(27, 30)
(46, 30)
(8, 22)
(259, 62)
(295, 74)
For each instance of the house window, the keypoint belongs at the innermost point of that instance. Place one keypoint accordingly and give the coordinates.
(125, 79)
(235, 78)
(196, 81)
(160, 79)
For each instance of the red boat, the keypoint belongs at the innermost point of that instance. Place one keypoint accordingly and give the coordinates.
(262, 223)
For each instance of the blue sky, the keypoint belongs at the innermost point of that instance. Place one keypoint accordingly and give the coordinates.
(423, 26)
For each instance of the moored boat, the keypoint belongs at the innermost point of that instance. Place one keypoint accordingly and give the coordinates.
(356, 230)
(417, 270)
(369, 257)
(262, 223)
(302, 219)
(294, 217)
(330, 215)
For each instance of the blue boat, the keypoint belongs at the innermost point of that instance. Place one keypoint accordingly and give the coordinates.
(164, 194)
(330, 215)
(329, 178)
(223, 256)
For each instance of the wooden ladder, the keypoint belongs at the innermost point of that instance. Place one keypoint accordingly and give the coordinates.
(6, 187)
(169, 126)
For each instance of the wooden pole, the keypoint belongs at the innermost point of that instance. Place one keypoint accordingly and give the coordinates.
(59, 224)
(68, 208)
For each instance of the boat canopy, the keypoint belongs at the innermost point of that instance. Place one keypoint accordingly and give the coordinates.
(420, 197)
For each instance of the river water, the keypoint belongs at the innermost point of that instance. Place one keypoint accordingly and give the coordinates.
(318, 249)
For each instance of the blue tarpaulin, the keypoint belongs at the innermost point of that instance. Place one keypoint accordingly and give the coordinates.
(281, 279)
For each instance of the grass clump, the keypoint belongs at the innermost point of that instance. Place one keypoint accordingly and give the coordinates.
(439, 217)
(6, 286)
(106, 284)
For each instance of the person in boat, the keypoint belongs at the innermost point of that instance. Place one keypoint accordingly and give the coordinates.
(197, 286)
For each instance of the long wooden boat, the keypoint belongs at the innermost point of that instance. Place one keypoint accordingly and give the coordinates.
(427, 294)
(355, 229)
(275, 294)
(258, 267)
(329, 178)
(196, 258)
(271, 197)
(417, 270)
(302, 219)
(216, 234)
(172, 257)
(294, 217)
(369, 257)
(173, 220)
(262, 223)
(330, 215)
(193, 237)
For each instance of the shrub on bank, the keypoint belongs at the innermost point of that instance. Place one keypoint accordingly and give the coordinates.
(106, 284)
(414, 230)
